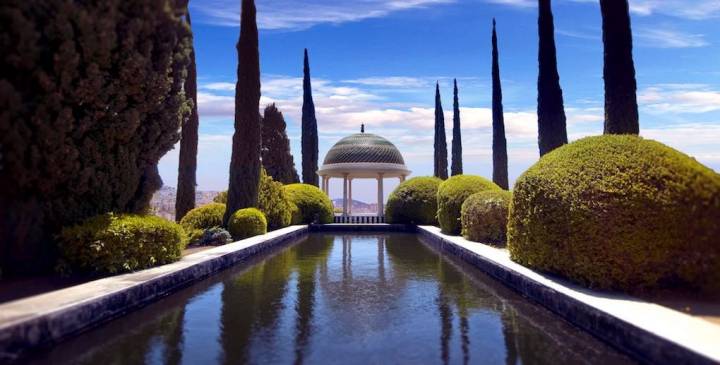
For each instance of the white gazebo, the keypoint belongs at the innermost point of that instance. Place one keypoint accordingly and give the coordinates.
(362, 156)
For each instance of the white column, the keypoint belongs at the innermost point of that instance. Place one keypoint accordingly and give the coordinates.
(402, 179)
(345, 195)
(381, 209)
(350, 196)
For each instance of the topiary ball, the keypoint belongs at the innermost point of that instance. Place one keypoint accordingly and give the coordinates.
(452, 194)
(197, 220)
(311, 203)
(414, 201)
(111, 244)
(247, 223)
(619, 212)
(484, 216)
(273, 201)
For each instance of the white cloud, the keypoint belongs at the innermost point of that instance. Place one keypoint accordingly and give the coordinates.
(679, 98)
(516, 3)
(302, 14)
(391, 81)
(668, 38)
(696, 9)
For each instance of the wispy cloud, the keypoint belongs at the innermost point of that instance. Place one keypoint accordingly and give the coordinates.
(669, 38)
(392, 82)
(303, 14)
(696, 9)
(679, 98)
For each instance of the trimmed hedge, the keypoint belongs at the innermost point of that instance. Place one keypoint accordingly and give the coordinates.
(111, 244)
(311, 202)
(619, 212)
(273, 202)
(247, 223)
(452, 194)
(484, 216)
(196, 221)
(414, 201)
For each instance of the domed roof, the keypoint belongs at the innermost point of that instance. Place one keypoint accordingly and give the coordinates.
(364, 147)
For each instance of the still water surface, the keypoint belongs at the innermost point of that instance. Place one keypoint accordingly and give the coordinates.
(340, 299)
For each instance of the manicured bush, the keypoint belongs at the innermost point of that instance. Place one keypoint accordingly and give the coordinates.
(619, 212)
(311, 202)
(214, 236)
(196, 221)
(110, 244)
(274, 202)
(484, 216)
(221, 197)
(247, 223)
(452, 194)
(414, 201)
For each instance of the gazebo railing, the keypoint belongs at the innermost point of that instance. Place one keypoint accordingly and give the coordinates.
(359, 219)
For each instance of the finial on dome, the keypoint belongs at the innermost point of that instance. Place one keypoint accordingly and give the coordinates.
(362, 128)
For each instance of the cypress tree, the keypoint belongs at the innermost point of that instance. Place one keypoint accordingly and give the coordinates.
(185, 199)
(440, 141)
(276, 157)
(499, 145)
(245, 160)
(309, 133)
(84, 116)
(552, 131)
(456, 167)
(621, 109)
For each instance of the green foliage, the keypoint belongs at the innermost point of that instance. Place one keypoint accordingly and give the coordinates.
(484, 216)
(196, 221)
(452, 194)
(414, 201)
(274, 202)
(214, 236)
(110, 244)
(91, 96)
(221, 197)
(247, 223)
(619, 212)
(276, 156)
(311, 202)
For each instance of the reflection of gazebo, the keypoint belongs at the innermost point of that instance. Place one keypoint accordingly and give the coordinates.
(362, 156)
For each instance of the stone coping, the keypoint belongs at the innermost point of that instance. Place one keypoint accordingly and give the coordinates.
(649, 332)
(48, 318)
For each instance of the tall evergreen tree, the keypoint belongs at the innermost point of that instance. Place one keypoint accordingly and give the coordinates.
(440, 139)
(245, 160)
(276, 156)
(621, 109)
(309, 133)
(499, 144)
(456, 166)
(84, 117)
(552, 131)
(185, 199)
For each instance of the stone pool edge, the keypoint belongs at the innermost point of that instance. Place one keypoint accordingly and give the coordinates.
(646, 331)
(49, 318)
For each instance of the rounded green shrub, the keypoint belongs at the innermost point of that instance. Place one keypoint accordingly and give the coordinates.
(452, 194)
(197, 220)
(619, 212)
(110, 244)
(247, 223)
(414, 201)
(484, 216)
(273, 201)
(311, 202)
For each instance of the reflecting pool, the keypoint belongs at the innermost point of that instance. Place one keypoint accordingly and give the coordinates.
(340, 299)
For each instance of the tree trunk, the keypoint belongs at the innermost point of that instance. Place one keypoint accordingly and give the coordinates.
(552, 131)
(621, 110)
(309, 135)
(456, 167)
(499, 144)
(440, 139)
(185, 199)
(245, 161)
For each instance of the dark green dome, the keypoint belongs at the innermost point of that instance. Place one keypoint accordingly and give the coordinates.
(364, 147)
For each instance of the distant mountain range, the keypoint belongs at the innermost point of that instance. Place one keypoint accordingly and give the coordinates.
(357, 206)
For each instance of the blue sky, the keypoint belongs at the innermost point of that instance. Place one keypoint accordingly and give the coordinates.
(376, 62)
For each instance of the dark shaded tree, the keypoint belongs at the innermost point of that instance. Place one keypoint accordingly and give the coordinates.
(245, 160)
(276, 156)
(499, 144)
(552, 131)
(441, 170)
(86, 112)
(187, 167)
(621, 109)
(456, 166)
(309, 133)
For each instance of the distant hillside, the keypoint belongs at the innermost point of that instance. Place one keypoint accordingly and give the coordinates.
(357, 206)
(163, 202)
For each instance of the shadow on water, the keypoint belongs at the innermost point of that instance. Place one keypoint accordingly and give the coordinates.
(347, 299)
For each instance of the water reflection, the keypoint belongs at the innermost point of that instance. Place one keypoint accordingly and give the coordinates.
(340, 299)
